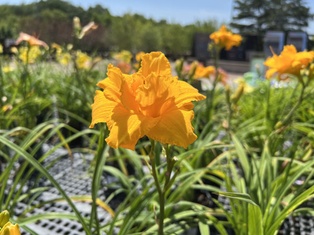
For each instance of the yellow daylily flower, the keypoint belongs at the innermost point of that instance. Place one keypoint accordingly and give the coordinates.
(288, 62)
(150, 102)
(225, 38)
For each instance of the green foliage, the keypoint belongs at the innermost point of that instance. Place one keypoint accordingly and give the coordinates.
(242, 154)
(256, 16)
(52, 21)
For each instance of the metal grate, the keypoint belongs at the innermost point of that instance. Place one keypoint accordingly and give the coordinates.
(73, 176)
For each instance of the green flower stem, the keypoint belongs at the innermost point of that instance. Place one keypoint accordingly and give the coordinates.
(230, 110)
(211, 95)
(25, 77)
(161, 193)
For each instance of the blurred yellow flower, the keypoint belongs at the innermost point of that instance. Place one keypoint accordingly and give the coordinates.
(14, 50)
(6, 107)
(225, 39)
(28, 55)
(288, 62)
(123, 55)
(1, 49)
(64, 58)
(83, 61)
(6, 227)
(247, 88)
(149, 102)
(57, 48)
(7, 69)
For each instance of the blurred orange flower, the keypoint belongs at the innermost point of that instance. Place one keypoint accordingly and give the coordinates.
(124, 67)
(203, 72)
(288, 62)
(149, 102)
(225, 38)
(31, 40)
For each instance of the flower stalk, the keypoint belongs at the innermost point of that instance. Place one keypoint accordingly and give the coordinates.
(161, 193)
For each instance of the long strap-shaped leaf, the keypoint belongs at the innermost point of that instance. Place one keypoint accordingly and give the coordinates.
(42, 170)
(306, 195)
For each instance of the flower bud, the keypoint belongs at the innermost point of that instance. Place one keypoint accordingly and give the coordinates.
(10, 229)
(238, 93)
(4, 217)
(278, 125)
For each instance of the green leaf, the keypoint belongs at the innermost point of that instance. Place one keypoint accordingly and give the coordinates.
(255, 226)
(242, 157)
(42, 170)
(204, 228)
(240, 196)
(306, 195)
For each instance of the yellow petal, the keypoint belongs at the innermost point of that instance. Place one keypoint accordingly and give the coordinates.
(126, 129)
(153, 89)
(112, 84)
(174, 128)
(184, 93)
(155, 62)
(101, 109)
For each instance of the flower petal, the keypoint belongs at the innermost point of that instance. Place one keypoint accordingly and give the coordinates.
(174, 128)
(101, 109)
(126, 129)
(155, 62)
(112, 84)
(184, 94)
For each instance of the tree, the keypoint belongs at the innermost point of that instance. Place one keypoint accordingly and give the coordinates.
(258, 16)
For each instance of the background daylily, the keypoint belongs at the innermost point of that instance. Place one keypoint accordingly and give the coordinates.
(31, 40)
(203, 72)
(28, 55)
(225, 38)
(288, 62)
(80, 31)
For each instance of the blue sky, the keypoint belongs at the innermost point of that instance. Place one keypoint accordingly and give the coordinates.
(174, 11)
